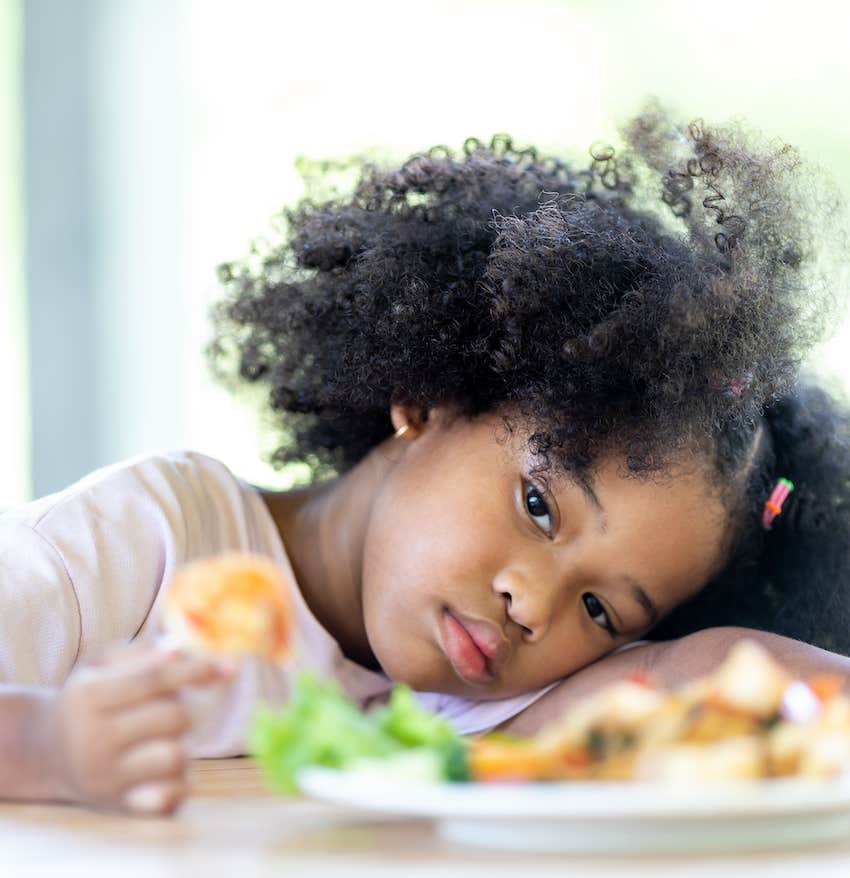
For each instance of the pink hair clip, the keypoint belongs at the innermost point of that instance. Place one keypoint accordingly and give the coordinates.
(773, 505)
(727, 387)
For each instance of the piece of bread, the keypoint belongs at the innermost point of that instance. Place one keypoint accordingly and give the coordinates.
(736, 758)
(231, 604)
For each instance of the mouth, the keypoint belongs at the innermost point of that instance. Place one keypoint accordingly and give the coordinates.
(475, 649)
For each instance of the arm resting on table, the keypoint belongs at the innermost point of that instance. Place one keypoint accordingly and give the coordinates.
(25, 765)
(672, 663)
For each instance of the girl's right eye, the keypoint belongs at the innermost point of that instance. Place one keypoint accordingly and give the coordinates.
(538, 509)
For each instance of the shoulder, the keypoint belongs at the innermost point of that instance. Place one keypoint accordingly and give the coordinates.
(177, 469)
(109, 489)
(174, 504)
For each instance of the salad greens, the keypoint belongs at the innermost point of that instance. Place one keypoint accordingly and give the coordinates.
(321, 727)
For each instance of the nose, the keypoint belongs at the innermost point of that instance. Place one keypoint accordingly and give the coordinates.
(528, 601)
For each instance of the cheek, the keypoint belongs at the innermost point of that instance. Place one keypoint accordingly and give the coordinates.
(417, 559)
(569, 646)
(427, 534)
(412, 560)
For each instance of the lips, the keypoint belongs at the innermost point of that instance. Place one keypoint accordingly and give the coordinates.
(475, 648)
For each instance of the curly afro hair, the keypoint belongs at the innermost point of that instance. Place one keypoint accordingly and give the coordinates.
(795, 578)
(661, 297)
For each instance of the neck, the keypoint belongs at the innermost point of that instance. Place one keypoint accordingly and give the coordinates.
(323, 528)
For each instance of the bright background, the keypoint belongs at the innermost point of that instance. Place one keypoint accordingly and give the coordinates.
(142, 142)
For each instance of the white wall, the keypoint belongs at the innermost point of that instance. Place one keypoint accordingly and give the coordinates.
(198, 109)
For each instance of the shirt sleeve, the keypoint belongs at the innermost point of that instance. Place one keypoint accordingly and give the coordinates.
(468, 717)
(83, 569)
(80, 570)
(39, 613)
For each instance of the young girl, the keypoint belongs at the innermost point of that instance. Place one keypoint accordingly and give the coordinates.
(558, 417)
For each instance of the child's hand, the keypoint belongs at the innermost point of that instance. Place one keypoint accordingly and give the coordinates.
(114, 729)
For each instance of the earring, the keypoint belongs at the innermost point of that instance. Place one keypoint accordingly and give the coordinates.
(402, 430)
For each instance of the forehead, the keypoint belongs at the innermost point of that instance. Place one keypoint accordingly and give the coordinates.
(680, 488)
(674, 520)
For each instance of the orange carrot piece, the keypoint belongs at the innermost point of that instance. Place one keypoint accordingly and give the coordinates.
(498, 760)
(825, 686)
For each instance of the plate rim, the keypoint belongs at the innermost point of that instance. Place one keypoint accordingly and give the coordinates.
(578, 800)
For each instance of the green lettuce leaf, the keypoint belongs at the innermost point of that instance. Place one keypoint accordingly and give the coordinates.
(321, 727)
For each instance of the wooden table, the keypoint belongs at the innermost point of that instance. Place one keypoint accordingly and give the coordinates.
(232, 826)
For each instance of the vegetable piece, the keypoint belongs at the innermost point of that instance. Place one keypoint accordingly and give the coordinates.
(320, 726)
(412, 726)
(503, 758)
(825, 686)
(403, 719)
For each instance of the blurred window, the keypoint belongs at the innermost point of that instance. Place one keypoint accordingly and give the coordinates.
(14, 412)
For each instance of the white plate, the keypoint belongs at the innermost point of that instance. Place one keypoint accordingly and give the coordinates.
(605, 817)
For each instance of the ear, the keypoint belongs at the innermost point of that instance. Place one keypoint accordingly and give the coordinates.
(412, 417)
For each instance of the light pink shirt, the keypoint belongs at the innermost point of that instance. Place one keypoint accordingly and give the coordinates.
(84, 568)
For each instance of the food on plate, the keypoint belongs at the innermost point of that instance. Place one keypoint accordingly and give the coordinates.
(748, 719)
(231, 604)
(321, 727)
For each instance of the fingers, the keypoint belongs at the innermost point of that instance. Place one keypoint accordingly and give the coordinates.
(157, 759)
(121, 723)
(163, 717)
(155, 776)
(152, 674)
(155, 797)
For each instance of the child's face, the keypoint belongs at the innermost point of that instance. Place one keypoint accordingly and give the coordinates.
(457, 532)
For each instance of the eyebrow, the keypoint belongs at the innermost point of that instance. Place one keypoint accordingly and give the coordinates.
(586, 486)
(638, 591)
(640, 595)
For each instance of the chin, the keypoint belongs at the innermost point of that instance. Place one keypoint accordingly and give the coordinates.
(414, 674)
(424, 675)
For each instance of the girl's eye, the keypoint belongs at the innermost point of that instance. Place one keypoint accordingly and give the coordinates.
(597, 612)
(538, 508)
